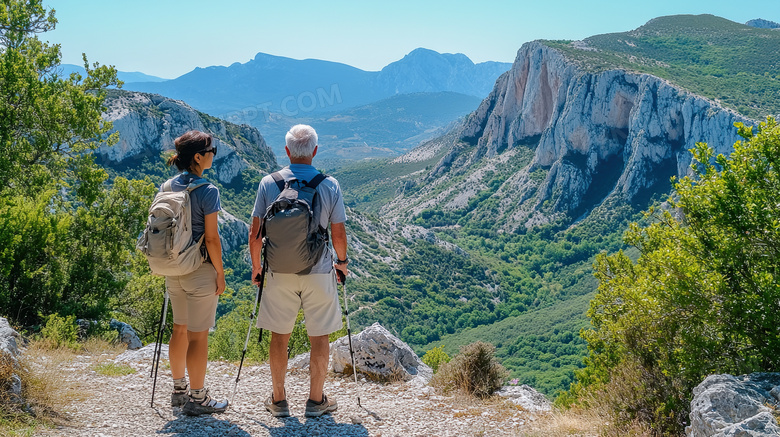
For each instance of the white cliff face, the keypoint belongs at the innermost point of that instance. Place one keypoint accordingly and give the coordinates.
(595, 135)
(148, 124)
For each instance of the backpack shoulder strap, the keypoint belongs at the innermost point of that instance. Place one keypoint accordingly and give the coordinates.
(166, 186)
(315, 181)
(196, 184)
(279, 180)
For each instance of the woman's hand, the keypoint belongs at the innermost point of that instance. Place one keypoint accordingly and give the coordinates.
(221, 285)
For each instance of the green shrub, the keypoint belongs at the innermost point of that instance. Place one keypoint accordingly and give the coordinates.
(474, 371)
(702, 295)
(227, 340)
(435, 358)
(60, 332)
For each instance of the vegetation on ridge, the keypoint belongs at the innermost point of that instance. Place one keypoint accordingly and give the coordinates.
(734, 64)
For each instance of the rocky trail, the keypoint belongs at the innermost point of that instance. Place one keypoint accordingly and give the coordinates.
(120, 406)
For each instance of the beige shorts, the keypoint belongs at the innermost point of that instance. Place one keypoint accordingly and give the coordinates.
(285, 294)
(193, 298)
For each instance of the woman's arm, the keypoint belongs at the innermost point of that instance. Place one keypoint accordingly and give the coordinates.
(214, 247)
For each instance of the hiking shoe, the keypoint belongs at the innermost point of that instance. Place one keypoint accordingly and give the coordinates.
(179, 397)
(195, 407)
(314, 409)
(277, 409)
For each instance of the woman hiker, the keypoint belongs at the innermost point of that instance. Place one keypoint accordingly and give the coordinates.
(194, 295)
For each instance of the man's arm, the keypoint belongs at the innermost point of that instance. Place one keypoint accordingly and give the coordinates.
(338, 236)
(255, 249)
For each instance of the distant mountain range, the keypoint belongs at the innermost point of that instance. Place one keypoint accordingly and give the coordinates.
(300, 87)
(124, 76)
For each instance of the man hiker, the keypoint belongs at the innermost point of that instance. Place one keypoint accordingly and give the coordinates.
(313, 288)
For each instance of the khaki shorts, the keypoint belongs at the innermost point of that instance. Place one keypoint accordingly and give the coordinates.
(193, 298)
(284, 294)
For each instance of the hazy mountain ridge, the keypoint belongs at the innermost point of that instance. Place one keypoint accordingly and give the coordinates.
(279, 84)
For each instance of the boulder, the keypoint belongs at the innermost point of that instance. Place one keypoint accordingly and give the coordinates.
(143, 354)
(525, 396)
(127, 334)
(380, 356)
(725, 405)
(9, 350)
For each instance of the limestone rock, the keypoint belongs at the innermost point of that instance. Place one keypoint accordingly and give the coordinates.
(725, 405)
(9, 349)
(525, 396)
(233, 233)
(380, 355)
(299, 362)
(148, 124)
(127, 334)
(143, 354)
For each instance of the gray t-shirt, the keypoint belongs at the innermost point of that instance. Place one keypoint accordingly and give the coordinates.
(329, 197)
(204, 200)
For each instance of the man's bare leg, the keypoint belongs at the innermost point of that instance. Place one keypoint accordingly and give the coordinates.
(278, 361)
(318, 366)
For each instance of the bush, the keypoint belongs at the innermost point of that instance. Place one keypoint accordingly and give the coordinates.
(435, 358)
(60, 332)
(702, 295)
(474, 371)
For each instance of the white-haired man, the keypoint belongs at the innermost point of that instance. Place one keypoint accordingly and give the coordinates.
(286, 293)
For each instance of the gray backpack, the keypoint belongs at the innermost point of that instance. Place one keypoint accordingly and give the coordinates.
(293, 238)
(167, 239)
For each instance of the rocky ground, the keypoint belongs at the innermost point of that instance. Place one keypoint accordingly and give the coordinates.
(120, 406)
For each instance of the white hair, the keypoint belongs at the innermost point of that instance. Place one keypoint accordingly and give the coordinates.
(301, 140)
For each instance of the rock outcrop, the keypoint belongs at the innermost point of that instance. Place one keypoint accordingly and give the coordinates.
(148, 124)
(127, 334)
(9, 353)
(380, 356)
(587, 135)
(724, 405)
(526, 397)
(142, 354)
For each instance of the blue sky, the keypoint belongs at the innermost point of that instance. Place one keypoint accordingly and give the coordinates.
(169, 38)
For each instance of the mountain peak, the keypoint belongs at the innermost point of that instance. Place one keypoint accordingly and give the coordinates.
(763, 24)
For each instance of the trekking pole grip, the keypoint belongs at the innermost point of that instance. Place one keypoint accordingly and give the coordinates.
(342, 277)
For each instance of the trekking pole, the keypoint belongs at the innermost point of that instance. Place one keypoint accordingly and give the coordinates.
(258, 296)
(158, 345)
(343, 279)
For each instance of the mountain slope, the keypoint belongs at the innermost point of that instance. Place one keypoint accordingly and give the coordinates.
(548, 172)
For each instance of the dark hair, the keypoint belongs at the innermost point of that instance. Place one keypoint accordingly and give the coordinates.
(187, 146)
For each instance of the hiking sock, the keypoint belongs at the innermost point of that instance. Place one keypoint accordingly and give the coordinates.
(199, 394)
(180, 384)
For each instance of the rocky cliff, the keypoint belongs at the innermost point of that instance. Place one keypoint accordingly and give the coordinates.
(579, 137)
(148, 123)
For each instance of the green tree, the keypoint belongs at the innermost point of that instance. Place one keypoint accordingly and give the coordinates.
(703, 296)
(66, 233)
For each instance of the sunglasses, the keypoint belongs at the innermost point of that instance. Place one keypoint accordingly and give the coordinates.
(213, 149)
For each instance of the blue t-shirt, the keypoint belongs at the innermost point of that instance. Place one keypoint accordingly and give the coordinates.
(330, 200)
(204, 201)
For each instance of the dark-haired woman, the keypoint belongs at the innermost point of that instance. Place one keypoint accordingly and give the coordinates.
(194, 295)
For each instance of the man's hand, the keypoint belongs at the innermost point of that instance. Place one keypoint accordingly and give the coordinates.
(341, 268)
